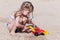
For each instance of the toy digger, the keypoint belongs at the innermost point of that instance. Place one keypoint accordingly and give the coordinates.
(36, 30)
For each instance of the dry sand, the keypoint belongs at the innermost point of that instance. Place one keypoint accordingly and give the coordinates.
(46, 15)
(5, 35)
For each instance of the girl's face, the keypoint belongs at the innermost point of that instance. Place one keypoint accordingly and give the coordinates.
(27, 7)
(25, 12)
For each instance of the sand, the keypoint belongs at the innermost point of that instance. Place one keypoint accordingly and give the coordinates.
(46, 16)
(5, 35)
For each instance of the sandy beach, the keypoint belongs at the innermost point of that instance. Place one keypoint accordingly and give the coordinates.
(5, 35)
(46, 16)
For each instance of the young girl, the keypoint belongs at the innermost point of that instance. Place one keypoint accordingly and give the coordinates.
(21, 17)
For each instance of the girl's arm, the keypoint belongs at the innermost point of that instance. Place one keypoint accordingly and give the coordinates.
(18, 20)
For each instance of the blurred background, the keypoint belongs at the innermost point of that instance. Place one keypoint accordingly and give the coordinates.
(46, 14)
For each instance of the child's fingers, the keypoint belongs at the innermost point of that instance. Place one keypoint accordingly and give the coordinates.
(24, 18)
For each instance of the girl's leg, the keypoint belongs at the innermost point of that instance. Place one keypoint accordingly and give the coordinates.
(15, 24)
(13, 30)
(12, 27)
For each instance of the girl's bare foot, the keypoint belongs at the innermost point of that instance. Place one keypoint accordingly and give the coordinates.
(12, 33)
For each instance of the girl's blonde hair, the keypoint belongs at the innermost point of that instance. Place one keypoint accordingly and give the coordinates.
(27, 5)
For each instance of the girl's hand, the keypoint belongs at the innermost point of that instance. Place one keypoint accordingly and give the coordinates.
(25, 28)
(24, 18)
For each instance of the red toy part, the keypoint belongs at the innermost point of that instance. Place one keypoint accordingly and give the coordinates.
(38, 30)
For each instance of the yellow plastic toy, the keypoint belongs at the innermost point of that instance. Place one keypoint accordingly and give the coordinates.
(45, 32)
(32, 28)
